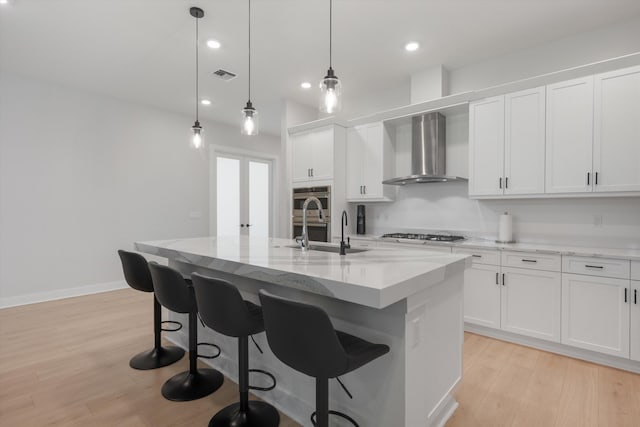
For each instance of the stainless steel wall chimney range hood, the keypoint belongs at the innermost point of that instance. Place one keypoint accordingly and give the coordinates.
(428, 152)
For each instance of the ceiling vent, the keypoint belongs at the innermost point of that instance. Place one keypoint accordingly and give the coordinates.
(224, 75)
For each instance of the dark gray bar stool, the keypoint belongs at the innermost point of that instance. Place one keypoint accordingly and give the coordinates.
(302, 336)
(177, 295)
(136, 273)
(222, 309)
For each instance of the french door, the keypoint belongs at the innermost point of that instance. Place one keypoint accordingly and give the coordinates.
(243, 196)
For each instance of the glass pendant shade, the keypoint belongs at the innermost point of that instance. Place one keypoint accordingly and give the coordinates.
(197, 136)
(330, 93)
(250, 120)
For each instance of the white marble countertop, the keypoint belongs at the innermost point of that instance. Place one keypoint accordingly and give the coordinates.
(376, 278)
(475, 243)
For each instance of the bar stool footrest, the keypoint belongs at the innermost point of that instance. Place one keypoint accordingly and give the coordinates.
(209, 345)
(176, 326)
(269, 374)
(338, 414)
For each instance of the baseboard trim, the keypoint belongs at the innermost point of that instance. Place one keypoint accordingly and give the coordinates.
(61, 294)
(553, 347)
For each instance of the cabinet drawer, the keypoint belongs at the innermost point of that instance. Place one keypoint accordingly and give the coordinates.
(635, 270)
(602, 267)
(480, 256)
(534, 261)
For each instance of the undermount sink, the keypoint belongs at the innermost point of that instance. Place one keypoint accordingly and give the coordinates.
(332, 249)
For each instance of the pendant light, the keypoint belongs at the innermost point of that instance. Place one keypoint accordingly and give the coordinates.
(249, 113)
(197, 133)
(330, 86)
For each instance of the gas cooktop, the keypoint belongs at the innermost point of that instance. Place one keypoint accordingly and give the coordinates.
(430, 237)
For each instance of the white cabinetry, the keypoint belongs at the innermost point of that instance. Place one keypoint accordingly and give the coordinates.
(569, 145)
(531, 302)
(486, 146)
(482, 295)
(524, 142)
(313, 155)
(634, 329)
(595, 313)
(507, 144)
(370, 160)
(616, 161)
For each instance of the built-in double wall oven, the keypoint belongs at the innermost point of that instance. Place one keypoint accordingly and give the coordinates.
(318, 231)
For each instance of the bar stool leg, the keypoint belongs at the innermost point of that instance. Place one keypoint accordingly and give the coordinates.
(322, 402)
(158, 356)
(194, 383)
(245, 413)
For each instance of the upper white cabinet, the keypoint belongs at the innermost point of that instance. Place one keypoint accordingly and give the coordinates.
(370, 160)
(486, 146)
(312, 155)
(616, 143)
(570, 136)
(507, 144)
(524, 143)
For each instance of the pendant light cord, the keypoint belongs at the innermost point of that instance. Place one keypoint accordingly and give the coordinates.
(249, 50)
(197, 74)
(330, 32)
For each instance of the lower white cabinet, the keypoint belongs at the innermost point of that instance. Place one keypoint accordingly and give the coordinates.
(482, 295)
(531, 302)
(634, 304)
(595, 313)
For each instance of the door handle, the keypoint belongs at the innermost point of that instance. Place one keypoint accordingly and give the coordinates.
(625, 294)
(635, 296)
(497, 280)
(506, 182)
(588, 178)
(529, 260)
(503, 284)
(596, 178)
(364, 187)
(500, 182)
(311, 171)
(594, 266)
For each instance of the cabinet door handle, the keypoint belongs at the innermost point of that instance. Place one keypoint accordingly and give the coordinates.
(596, 178)
(365, 189)
(311, 171)
(506, 182)
(635, 296)
(529, 260)
(500, 182)
(594, 266)
(478, 256)
(497, 280)
(503, 284)
(625, 294)
(588, 178)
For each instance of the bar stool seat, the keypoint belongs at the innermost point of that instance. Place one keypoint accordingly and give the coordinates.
(222, 308)
(302, 336)
(177, 295)
(138, 277)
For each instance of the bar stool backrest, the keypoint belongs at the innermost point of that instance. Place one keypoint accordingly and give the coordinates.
(221, 306)
(171, 289)
(136, 271)
(302, 336)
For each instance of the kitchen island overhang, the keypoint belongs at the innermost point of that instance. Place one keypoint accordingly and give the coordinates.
(408, 299)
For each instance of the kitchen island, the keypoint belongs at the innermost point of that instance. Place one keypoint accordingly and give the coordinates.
(410, 300)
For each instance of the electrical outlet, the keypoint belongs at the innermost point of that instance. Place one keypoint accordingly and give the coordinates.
(597, 220)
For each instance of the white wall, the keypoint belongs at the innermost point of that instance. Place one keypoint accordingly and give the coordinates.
(83, 175)
(445, 206)
(620, 39)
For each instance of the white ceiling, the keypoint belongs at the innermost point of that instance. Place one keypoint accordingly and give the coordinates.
(143, 50)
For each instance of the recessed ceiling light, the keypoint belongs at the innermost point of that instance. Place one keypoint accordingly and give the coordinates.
(205, 102)
(305, 85)
(411, 46)
(213, 44)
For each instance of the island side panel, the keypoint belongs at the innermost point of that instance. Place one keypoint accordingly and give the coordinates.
(434, 330)
(378, 388)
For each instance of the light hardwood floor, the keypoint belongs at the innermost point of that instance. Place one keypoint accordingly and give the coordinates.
(65, 363)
